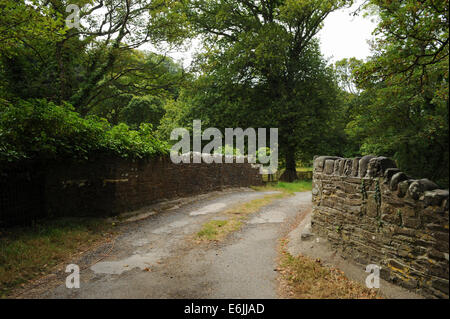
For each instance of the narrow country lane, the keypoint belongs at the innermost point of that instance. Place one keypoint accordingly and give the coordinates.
(157, 258)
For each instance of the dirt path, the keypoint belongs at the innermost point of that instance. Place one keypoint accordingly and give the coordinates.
(157, 258)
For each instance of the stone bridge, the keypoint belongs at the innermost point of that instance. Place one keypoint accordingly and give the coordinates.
(373, 213)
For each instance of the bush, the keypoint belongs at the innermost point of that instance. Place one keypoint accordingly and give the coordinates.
(41, 130)
(147, 109)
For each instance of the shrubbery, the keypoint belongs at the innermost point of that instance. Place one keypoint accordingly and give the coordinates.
(41, 130)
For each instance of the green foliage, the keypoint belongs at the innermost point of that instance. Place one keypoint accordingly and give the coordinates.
(147, 109)
(263, 68)
(402, 110)
(41, 130)
(302, 110)
(363, 190)
(144, 81)
(411, 37)
(297, 186)
(344, 71)
(22, 21)
(40, 57)
(175, 114)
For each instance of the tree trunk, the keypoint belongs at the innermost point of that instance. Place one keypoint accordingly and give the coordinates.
(290, 174)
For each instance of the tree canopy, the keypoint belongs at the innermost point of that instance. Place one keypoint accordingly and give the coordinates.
(262, 64)
(107, 83)
(402, 110)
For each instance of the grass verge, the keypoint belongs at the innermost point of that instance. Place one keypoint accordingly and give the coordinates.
(304, 278)
(297, 186)
(217, 230)
(33, 251)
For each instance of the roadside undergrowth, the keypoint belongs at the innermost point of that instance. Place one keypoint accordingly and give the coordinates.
(30, 252)
(304, 278)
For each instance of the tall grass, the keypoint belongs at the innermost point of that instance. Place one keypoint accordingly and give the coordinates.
(29, 252)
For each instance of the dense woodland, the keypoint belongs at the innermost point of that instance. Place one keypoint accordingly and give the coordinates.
(73, 93)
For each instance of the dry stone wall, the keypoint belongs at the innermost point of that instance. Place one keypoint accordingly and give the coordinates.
(373, 213)
(110, 186)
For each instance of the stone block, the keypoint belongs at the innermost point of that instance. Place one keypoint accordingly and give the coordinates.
(329, 166)
(417, 188)
(396, 179)
(342, 166)
(363, 165)
(348, 167)
(378, 165)
(441, 285)
(319, 162)
(403, 187)
(435, 197)
(389, 173)
(355, 166)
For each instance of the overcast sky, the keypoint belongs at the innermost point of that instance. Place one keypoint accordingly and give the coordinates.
(343, 36)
